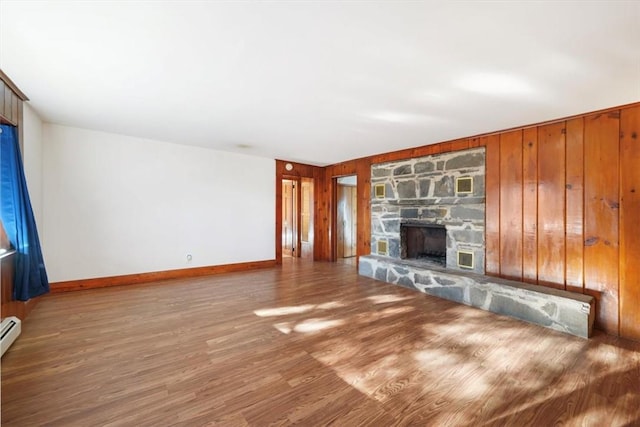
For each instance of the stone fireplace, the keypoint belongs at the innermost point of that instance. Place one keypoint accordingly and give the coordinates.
(427, 234)
(418, 203)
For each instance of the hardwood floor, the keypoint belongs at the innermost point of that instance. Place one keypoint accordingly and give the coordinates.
(308, 344)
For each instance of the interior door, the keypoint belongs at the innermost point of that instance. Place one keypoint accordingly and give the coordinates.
(306, 218)
(346, 240)
(289, 218)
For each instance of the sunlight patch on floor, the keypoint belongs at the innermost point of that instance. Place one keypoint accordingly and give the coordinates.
(386, 298)
(284, 327)
(283, 311)
(331, 305)
(315, 325)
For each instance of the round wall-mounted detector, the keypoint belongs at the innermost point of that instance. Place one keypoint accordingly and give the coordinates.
(288, 166)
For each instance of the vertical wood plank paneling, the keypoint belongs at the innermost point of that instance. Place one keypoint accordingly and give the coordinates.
(574, 246)
(630, 223)
(15, 102)
(601, 262)
(322, 247)
(530, 205)
(511, 204)
(3, 88)
(341, 220)
(20, 127)
(363, 172)
(492, 205)
(551, 204)
(8, 97)
(279, 169)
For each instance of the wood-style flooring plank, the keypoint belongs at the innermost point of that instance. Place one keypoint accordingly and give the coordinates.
(306, 344)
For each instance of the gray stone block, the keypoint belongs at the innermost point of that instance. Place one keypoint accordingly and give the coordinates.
(466, 213)
(401, 271)
(406, 189)
(475, 237)
(478, 186)
(381, 274)
(478, 297)
(444, 187)
(407, 283)
(425, 185)
(467, 160)
(394, 248)
(391, 277)
(434, 212)
(388, 192)
(515, 308)
(365, 268)
(402, 170)
(377, 172)
(444, 281)
(452, 293)
(410, 213)
(391, 226)
(423, 167)
(424, 279)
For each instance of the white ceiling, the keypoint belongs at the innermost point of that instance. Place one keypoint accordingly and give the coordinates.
(318, 81)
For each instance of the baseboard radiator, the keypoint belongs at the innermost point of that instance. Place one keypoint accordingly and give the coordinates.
(10, 332)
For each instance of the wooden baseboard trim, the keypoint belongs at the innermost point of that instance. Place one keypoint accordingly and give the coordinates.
(132, 279)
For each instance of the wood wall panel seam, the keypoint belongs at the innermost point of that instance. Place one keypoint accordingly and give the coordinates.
(530, 205)
(574, 211)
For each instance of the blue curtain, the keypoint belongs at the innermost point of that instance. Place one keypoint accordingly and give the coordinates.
(17, 217)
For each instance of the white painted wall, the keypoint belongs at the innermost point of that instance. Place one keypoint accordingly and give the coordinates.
(32, 159)
(119, 205)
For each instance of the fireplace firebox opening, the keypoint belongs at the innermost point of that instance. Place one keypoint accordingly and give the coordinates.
(425, 242)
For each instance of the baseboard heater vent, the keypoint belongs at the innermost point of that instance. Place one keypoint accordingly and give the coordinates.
(10, 332)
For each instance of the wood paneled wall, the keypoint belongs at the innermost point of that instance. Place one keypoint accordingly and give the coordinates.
(11, 100)
(562, 207)
(568, 210)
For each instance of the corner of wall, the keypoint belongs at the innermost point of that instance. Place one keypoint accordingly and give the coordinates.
(32, 158)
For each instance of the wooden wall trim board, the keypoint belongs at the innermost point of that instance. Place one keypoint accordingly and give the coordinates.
(14, 88)
(8, 306)
(132, 279)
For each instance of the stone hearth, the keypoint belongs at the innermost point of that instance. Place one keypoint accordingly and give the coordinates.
(560, 310)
